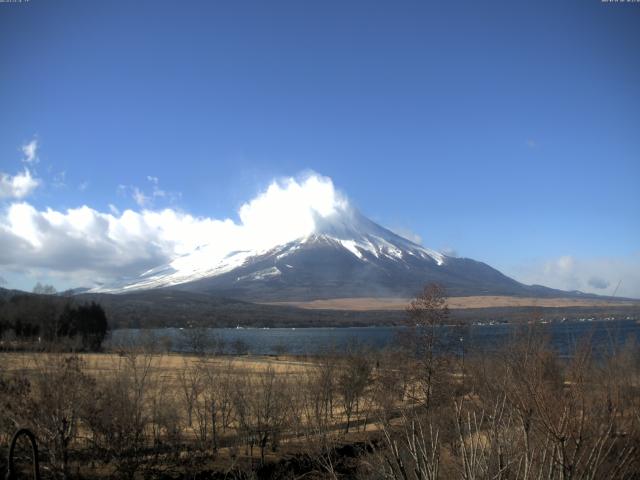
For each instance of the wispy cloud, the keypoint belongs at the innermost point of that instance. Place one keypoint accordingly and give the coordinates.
(145, 197)
(30, 151)
(92, 246)
(23, 183)
(59, 180)
(531, 143)
(157, 191)
(593, 275)
(140, 198)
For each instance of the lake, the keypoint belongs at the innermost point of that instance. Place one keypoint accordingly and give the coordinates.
(265, 341)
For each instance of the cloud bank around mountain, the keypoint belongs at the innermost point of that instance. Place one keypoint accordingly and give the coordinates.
(84, 246)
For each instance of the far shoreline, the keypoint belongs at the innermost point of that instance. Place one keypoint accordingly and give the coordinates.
(467, 302)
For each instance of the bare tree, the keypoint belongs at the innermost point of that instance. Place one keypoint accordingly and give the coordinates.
(118, 415)
(214, 403)
(50, 402)
(190, 381)
(41, 289)
(224, 391)
(320, 385)
(198, 340)
(428, 313)
(239, 347)
(269, 408)
(261, 406)
(166, 425)
(410, 451)
(354, 377)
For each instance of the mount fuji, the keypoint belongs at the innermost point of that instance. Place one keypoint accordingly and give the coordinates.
(342, 254)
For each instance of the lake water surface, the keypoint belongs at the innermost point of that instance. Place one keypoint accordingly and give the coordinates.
(603, 334)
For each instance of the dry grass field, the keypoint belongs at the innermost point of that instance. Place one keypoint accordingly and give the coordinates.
(145, 414)
(233, 404)
(166, 365)
(371, 303)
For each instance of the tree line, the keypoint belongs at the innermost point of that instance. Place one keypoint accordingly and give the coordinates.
(27, 320)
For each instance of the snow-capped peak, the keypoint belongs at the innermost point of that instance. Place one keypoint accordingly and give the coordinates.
(358, 234)
(343, 227)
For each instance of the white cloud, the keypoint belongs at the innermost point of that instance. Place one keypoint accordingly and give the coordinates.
(91, 246)
(17, 186)
(450, 251)
(408, 234)
(140, 198)
(598, 275)
(83, 186)
(81, 240)
(30, 151)
(598, 282)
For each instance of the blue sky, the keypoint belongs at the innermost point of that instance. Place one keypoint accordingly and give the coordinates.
(508, 132)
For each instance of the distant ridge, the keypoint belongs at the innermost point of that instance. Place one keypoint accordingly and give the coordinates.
(160, 308)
